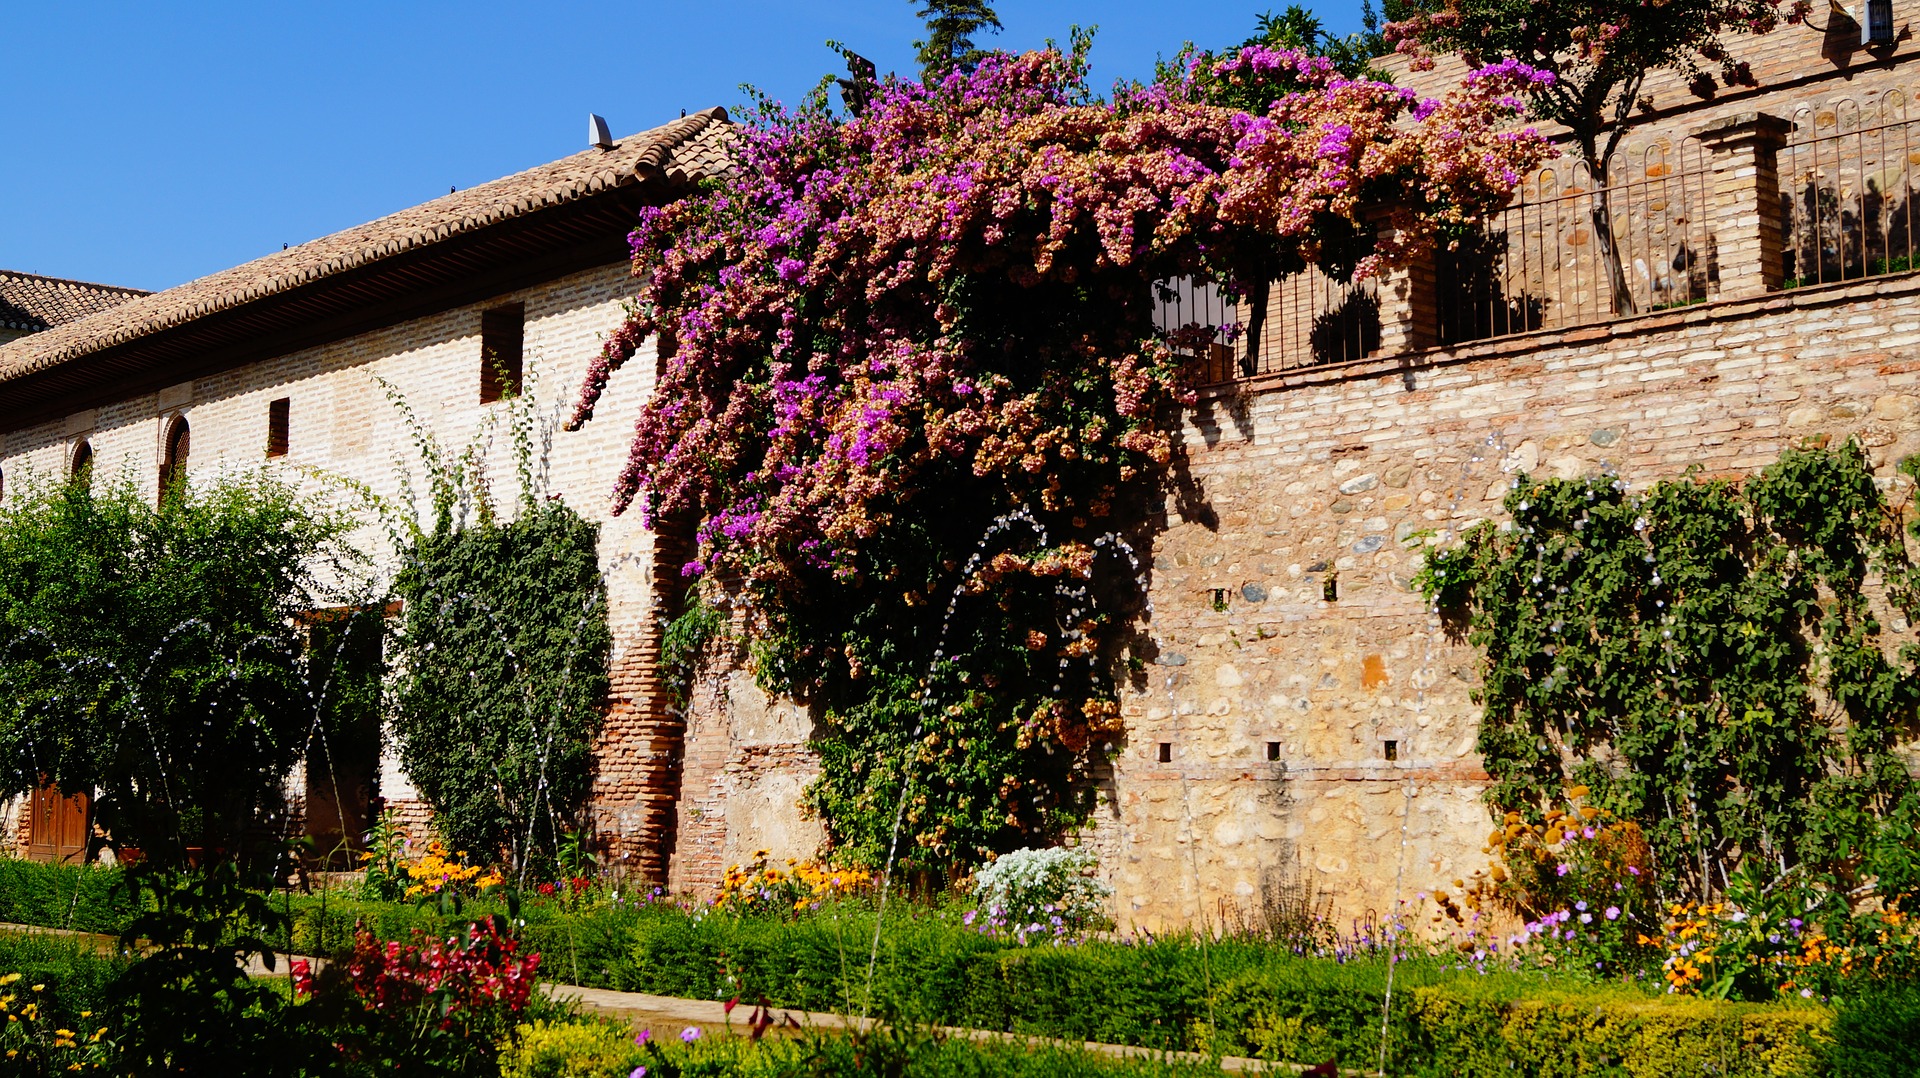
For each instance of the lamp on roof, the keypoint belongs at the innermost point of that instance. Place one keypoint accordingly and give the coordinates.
(597, 133)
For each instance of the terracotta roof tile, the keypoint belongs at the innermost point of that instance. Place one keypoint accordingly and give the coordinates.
(685, 150)
(31, 302)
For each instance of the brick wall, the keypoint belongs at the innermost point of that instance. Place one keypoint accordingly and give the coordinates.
(747, 764)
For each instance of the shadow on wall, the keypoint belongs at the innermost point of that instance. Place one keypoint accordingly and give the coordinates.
(1841, 237)
(1349, 331)
(1473, 301)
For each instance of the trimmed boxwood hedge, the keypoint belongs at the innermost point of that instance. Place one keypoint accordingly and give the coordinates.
(86, 898)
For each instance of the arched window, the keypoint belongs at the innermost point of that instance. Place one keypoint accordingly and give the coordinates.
(173, 463)
(83, 461)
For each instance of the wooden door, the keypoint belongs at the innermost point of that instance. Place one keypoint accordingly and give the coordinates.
(57, 826)
(343, 758)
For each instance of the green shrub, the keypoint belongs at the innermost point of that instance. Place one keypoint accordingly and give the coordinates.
(1461, 1032)
(76, 973)
(86, 898)
(580, 1049)
(897, 1050)
(503, 652)
(1877, 1035)
(154, 655)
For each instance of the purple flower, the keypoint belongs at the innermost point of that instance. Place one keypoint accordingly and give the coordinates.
(638, 1072)
(690, 1034)
(641, 1038)
(1613, 913)
(1561, 869)
(1586, 918)
(1580, 905)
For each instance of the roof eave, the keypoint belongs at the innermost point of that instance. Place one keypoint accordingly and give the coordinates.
(543, 243)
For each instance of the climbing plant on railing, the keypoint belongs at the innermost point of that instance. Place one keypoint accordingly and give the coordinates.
(1708, 657)
(889, 331)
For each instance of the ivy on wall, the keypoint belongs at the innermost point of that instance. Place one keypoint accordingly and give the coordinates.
(502, 677)
(501, 662)
(1708, 657)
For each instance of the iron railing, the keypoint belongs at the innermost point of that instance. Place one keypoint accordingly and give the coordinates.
(1310, 319)
(1543, 262)
(1846, 190)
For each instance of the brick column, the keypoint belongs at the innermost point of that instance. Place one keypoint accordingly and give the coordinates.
(1748, 226)
(1409, 302)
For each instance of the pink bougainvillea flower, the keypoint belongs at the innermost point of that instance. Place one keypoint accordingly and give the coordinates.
(945, 309)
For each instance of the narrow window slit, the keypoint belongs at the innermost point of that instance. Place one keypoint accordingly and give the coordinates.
(278, 414)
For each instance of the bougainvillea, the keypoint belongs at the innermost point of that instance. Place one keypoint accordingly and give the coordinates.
(887, 332)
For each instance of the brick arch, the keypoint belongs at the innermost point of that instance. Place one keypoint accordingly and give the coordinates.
(173, 456)
(81, 462)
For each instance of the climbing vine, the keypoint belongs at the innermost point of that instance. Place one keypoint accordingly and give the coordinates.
(1708, 657)
(501, 659)
(912, 398)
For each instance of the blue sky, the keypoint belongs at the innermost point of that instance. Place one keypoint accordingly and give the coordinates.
(148, 144)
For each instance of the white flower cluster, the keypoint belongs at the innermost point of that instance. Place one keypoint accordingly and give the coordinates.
(1053, 887)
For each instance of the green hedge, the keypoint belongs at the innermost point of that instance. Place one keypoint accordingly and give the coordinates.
(1877, 1035)
(83, 897)
(1233, 997)
(75, 974)
(599, 1049)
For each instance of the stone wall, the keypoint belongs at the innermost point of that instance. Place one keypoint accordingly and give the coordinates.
(746, 767)
(1354, 471)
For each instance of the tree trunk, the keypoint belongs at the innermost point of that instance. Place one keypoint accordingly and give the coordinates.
(1256, 326)
(1623, 301)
